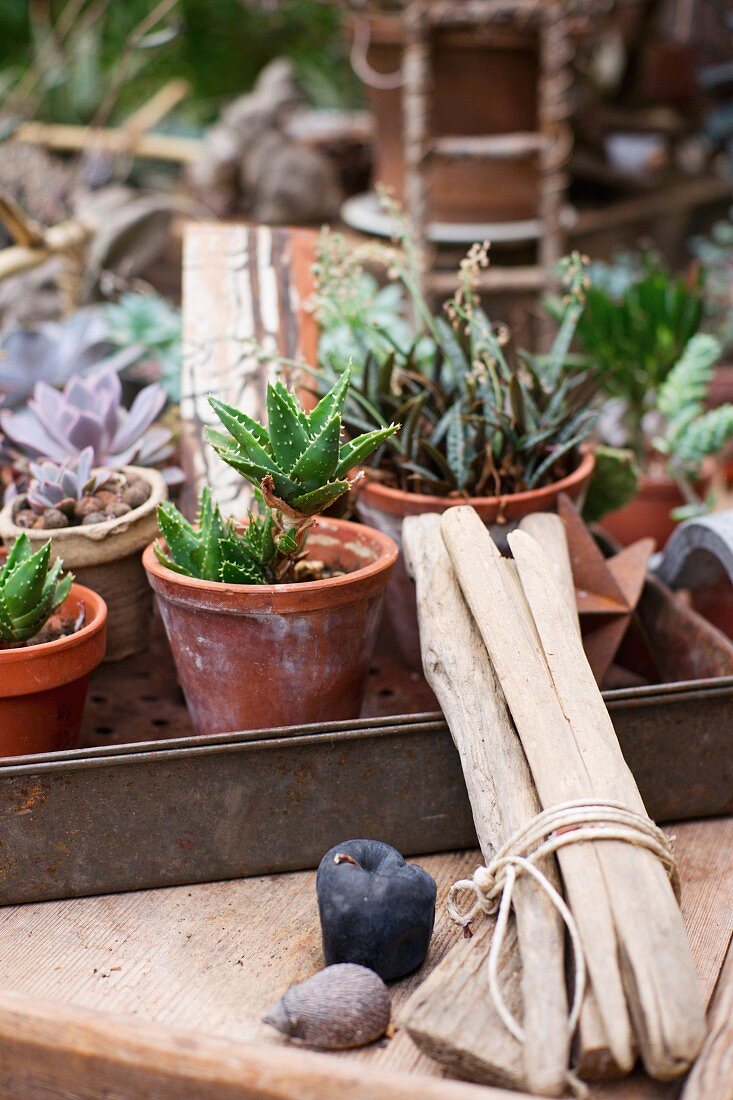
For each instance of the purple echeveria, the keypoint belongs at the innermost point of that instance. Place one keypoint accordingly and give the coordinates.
(89, 413)
(52, 482)
(57, 351)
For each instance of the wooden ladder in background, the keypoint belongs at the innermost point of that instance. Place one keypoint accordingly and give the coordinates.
(551, 142)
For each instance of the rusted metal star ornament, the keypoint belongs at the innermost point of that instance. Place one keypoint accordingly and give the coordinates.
(607, 590)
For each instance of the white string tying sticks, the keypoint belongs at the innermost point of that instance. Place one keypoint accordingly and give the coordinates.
(574, 822)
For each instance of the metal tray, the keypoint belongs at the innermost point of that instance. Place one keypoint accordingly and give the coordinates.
(147, 813)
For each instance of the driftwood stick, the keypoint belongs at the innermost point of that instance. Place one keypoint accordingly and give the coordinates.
(548, 530)
(593, 1059)
(657, 969)
(500, 613)
(712, 1074)
(503, 798)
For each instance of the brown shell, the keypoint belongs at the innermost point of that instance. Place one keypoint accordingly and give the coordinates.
(340, 1007)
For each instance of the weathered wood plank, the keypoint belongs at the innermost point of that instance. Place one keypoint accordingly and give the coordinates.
(212, 958)
(242, 286)
(55, 1050)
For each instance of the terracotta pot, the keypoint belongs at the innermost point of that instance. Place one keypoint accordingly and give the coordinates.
(721, 393)
(257, 656)
(43, 687)
(385, 509)
(106, 558)
(485, 83)
(648, 515)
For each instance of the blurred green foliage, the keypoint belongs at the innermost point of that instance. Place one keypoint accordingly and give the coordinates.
(219, 46)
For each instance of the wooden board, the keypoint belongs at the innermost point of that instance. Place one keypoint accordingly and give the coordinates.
(243, 286)
(212, 958)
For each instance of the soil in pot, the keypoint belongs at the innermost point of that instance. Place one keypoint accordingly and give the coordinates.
(100, 542)
(262, 656)
(485, 83)
(385, 508)
(43, 684)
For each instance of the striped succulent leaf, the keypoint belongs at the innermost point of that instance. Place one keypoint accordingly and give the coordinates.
(30, 591)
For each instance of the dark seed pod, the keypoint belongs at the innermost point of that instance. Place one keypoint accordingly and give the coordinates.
(338, 1008)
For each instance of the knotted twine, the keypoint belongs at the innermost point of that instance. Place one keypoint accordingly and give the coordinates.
(574, 822)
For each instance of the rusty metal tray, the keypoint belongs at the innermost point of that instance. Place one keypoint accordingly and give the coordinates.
(144, 803)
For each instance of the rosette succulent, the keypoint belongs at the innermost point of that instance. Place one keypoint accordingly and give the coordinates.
(299, 460)
(88, 413)
(31, 589)
(57, 351)
(52, 483)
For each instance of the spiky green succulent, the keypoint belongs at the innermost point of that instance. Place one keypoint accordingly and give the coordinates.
(299, 459)
(215, 549)
(30, 591)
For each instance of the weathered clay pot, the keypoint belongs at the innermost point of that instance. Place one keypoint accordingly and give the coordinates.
(43, 687)
(648, 514)
(485, 83)
(106, 558)
(385, 509)
(257, 656)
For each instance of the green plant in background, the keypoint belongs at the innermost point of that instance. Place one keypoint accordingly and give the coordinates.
(614, 483)
(30, 591)
(149, 322)
(356, 316)
(216, 549)
(715, 253)
(631, 341)
(60, 62)
(689, 434)
(477, 419)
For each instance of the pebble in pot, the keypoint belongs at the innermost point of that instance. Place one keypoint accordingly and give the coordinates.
(339, 1008)
(375, 909)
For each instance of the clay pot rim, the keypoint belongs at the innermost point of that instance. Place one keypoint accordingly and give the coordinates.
(300, 596)
(394, 500)
(94, 531)
(50, 651)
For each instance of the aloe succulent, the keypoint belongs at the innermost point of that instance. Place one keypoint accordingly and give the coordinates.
(57, 351)
(89, 413)
(52, 482)
(215, 549)
(299, 460)
(30, 591)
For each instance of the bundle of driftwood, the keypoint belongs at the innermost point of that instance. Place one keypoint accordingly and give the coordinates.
(563, 830)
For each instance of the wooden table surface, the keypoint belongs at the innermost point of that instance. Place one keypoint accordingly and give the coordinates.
(212, 958)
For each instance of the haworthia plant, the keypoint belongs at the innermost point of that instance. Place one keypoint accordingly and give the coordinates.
(214, 549)
(299, 459)
(30, 591)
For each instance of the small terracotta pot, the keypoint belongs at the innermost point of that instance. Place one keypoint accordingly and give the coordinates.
(648, 514)
(258, 656)
(385, 509)
(43, 687)
(106, 558)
